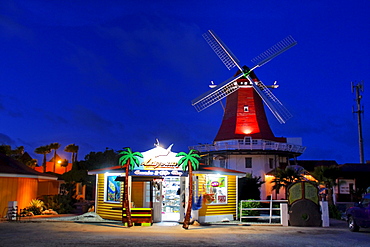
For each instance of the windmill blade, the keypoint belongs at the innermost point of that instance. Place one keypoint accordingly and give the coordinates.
(275, 106)
(216, 94)
(274, 51)
(221, 50)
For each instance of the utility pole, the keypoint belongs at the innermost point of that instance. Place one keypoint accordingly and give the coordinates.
(358, 88)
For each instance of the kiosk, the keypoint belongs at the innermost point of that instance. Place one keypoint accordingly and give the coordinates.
(158, 186)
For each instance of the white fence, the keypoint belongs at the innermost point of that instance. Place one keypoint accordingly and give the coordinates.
(268, 214)
(255, 144)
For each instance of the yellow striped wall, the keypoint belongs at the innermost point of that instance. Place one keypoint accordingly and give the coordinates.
(104, 209)
(222, 209)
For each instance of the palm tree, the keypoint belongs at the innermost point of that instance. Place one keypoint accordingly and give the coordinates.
(189, 161)
(285, 177)
(130, 159)
(54, 146)
(44, 150)
(72, 148)
(327, 176)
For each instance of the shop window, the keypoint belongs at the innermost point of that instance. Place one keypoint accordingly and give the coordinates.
(248, 162)
(216, 189)
(112, 188)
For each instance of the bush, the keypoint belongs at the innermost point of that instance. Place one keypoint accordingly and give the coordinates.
(36, 207)
(250, 204)
(334, 213)
(62, 204)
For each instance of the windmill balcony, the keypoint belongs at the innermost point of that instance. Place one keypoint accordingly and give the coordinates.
(249, 144)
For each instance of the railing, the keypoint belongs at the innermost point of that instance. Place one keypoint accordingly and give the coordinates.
(265, 214)
(255, 144)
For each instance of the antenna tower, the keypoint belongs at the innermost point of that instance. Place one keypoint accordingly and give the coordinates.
(358, 89)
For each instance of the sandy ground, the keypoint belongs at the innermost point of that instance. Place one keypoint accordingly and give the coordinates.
(52, 232)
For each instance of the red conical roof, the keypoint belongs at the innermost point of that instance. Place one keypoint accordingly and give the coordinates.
(245, 116)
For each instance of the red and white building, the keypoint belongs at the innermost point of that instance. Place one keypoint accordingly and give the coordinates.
(245, 141)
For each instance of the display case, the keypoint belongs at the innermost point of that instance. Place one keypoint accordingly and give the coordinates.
(171, 193)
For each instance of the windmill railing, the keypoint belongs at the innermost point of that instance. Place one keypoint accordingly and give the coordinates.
(249, 145)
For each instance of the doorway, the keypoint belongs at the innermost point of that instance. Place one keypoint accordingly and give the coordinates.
(171, 199)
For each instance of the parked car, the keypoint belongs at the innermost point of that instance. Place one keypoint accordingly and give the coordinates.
(359, 215)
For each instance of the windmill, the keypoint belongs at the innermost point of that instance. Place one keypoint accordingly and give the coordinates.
(244, 80)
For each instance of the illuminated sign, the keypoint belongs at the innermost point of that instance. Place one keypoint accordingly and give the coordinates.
(178, 173)
(158, 162)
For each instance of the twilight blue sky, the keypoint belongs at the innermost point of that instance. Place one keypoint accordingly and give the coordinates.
(122, 73)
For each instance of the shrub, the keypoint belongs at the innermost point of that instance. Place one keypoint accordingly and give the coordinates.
(60, 203)
(250, 204)
(334, 213)
(36, 207)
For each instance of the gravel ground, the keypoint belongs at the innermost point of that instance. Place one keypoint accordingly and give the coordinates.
(92, 231)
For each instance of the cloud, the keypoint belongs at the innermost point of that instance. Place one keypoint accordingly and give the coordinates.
(4, 139)
(87, 119)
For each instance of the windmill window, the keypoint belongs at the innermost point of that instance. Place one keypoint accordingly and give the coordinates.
(223, 163)
(271, 163)
(246, 108)
(248, 162)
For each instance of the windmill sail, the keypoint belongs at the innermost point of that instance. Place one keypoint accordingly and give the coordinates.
(274, 51)
(230, 85)
(218, 93)
(276, 107)
(221, 50)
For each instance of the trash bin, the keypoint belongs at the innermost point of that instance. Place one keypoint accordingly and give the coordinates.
(12, 210)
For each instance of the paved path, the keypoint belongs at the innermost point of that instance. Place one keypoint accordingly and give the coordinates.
(67, 233)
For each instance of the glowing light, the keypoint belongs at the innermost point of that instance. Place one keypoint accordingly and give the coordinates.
(247, 130)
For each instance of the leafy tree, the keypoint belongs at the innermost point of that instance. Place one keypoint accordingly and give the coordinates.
(190, 162)
(32, 163)
(285, 177)
(44, 150)
(18, 154)
(64, 164)
(5, 149)
(54, 146)
(327, 176)
(96, 160)
(249, 187)
(72, 148)
(130, 159)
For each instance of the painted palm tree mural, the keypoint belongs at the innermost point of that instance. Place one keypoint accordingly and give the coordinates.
(189, 161)
(130, 159)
